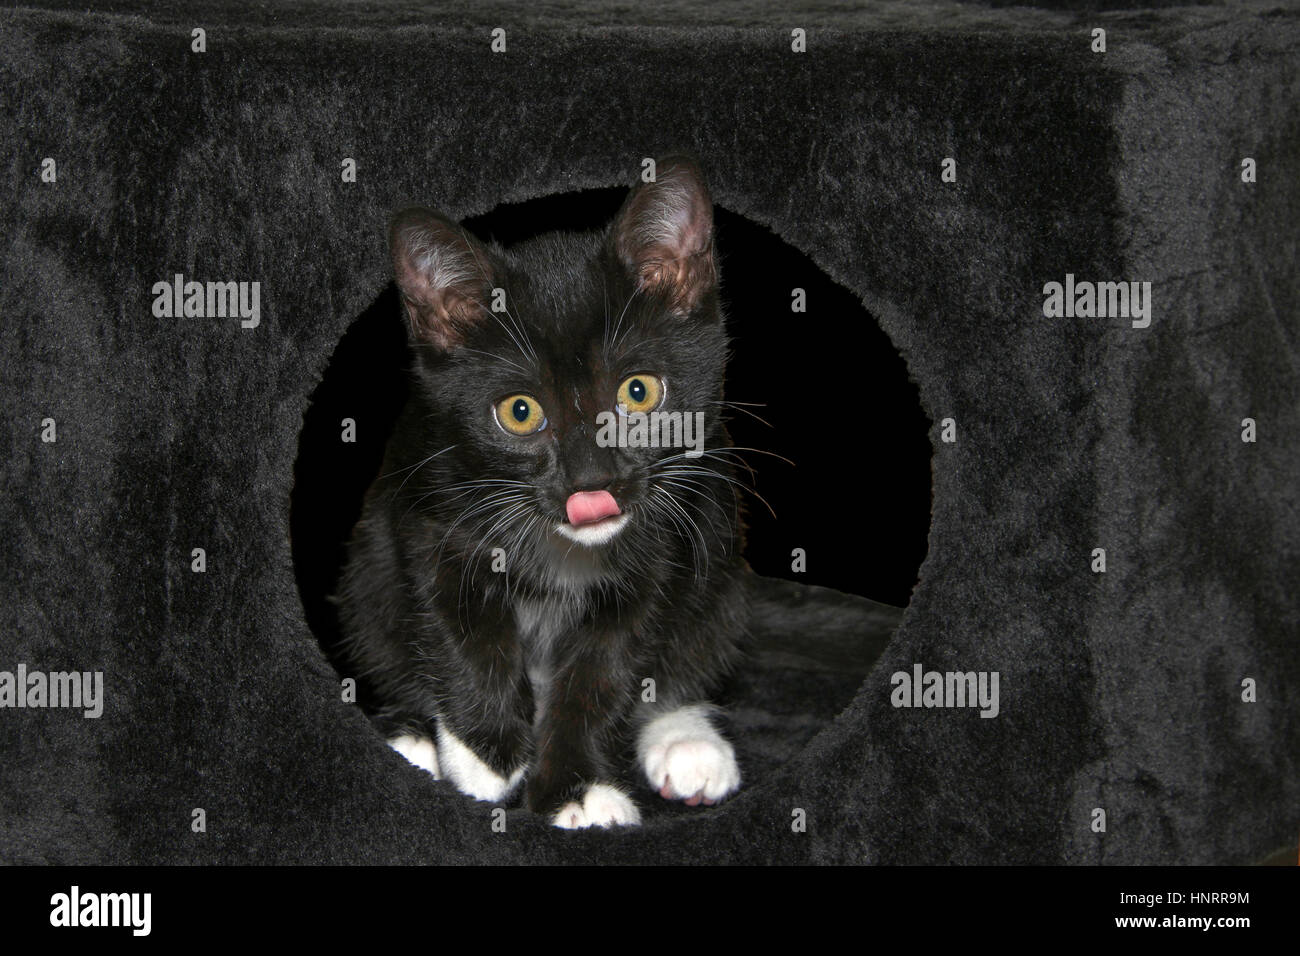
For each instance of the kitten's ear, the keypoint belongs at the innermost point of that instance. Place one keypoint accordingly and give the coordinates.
(443, 274)
(663, 235)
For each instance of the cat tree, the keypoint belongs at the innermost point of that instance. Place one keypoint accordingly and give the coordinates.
(944, 161)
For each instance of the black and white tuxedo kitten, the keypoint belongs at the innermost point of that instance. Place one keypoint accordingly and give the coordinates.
(541, 594)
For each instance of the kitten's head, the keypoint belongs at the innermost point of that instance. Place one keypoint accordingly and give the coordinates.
(553, 368)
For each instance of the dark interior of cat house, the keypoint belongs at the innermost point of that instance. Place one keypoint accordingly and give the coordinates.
(952, 473)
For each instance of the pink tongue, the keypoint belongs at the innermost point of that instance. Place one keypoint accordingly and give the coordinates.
(585, 507)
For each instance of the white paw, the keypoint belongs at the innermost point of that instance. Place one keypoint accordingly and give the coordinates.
(471, 775)
(602, 806)
(419, 750)
(685, 758)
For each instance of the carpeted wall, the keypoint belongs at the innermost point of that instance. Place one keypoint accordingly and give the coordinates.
(1121, 691)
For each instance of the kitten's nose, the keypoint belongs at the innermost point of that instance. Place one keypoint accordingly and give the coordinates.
(587, 466)
(591, 480)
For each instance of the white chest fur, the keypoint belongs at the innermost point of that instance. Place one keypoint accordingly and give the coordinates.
(541, 622)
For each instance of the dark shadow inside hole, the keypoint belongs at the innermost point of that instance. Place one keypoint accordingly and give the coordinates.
(365, 385)
(835, 399)
(840, 406)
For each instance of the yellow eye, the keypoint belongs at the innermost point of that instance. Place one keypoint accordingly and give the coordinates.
(640, 393)
(520, 415)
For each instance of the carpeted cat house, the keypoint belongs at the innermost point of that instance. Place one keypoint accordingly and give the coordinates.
(1077, 227)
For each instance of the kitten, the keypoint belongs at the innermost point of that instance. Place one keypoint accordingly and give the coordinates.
(535, 609)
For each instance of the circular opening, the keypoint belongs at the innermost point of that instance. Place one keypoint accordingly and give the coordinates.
(840, 472)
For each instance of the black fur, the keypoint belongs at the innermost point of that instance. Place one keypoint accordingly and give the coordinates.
(438, 633)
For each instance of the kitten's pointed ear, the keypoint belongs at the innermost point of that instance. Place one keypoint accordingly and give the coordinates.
(443, 274)
(663, 235)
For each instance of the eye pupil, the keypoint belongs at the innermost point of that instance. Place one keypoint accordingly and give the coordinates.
(520, 410)
(636, 389)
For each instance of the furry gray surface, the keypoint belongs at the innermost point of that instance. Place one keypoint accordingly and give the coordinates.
(1120, 691)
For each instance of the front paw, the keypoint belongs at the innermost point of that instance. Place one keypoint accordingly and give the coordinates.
(602, 805)
(684, 758)
(419, 750)
(459, 764)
